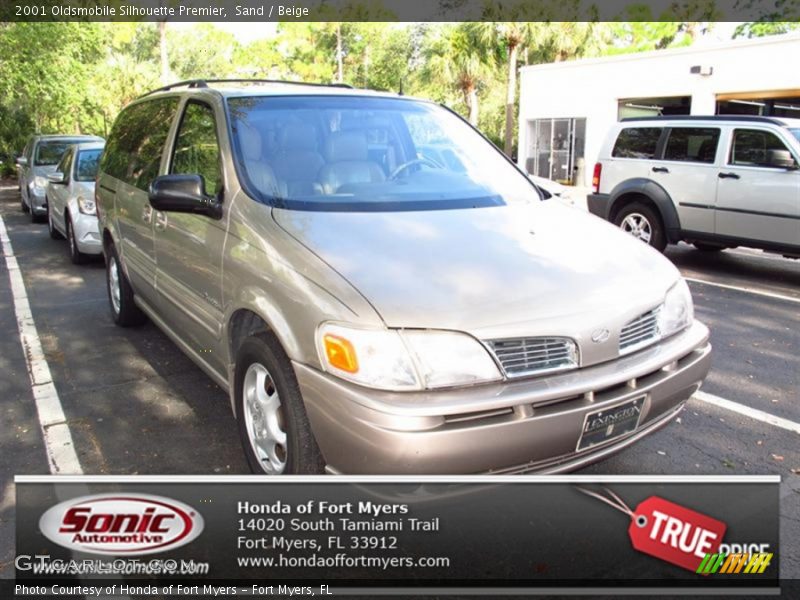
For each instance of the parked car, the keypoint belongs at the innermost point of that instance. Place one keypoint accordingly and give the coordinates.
(385, 315)
(70, 200)
(40, 157)
(717, 182)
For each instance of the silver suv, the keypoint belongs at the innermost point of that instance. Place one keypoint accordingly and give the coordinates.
(371, 309)
(717, 182)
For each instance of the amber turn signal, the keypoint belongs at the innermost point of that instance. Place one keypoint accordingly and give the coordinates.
(340, 353)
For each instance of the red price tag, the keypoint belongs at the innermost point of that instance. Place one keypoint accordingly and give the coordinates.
(674, 533)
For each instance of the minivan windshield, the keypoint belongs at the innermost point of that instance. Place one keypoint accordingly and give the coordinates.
(796, 133)
(367, 154)
(88, 160)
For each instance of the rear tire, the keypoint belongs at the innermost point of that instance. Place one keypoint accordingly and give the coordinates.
(273, 425)
(644, 223)
(704, 247)
(124, 311)
(75, 255)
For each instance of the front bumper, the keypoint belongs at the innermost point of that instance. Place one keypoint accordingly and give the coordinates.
(87, 233)
(598, 205)
(531, 425)
(37, 201)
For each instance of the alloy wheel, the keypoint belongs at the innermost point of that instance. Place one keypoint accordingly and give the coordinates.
(113, 284)
(264, 421)
(638, 226)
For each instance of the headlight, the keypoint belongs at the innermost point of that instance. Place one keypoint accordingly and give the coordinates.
(404, 360)
(86, 206)
(40, 182)
(677, 312)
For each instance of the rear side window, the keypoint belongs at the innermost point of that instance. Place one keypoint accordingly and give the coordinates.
(637, 142)
(692, 144)
(133, 152)
(750, 147)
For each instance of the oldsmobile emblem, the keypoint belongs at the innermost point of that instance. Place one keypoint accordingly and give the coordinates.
(600, 335)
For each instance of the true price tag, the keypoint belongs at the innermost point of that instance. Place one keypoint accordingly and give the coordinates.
(669, 531)
(674, 533)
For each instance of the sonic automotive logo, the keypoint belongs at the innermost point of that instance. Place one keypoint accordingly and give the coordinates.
(121, 524)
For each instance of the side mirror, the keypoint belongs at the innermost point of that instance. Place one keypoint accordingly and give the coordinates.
(781, 159)
(22, 161)
(57, 177)
(185, 194)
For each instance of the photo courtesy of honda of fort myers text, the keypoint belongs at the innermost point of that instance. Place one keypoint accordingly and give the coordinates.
(347, 297)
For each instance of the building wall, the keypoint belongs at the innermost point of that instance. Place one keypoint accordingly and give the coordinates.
(592, 88)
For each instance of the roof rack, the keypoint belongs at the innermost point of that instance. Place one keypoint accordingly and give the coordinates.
(740, 118)
(203, 83)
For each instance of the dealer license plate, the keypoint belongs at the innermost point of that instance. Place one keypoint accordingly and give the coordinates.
(604, 425)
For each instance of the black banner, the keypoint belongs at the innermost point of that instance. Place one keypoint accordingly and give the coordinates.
(399, 10)
(324, 534)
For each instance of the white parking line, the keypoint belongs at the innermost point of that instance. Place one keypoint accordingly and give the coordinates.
(744, 289)
(753, 413)
(57, 437)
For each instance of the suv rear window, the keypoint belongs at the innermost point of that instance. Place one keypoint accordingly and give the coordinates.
(133, 152)
(637, 142)
(692, 144)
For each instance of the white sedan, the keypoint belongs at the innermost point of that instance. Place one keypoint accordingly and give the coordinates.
(70, 200)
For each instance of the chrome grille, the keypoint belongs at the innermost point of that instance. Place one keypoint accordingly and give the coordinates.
(640, 332)
(528, 356)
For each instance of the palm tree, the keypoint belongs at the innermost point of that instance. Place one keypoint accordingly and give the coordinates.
(459, 60)
(510, 37)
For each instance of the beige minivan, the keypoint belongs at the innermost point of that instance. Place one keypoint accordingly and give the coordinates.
(371, 308)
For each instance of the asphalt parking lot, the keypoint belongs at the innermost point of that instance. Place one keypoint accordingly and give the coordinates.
(135, 404)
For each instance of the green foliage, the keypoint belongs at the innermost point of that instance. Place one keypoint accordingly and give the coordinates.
(765, 28)
(75, 77)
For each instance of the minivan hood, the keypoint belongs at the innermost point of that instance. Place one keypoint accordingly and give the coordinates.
(509, 271)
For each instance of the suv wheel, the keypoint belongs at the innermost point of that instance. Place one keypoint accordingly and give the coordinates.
(75, 255)
(272, 420)
(54, 233)
(120, 294)
(643, 223)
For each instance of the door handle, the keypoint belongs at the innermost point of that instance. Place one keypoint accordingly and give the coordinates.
(161, 220)
(729, 176)
(147, 214)
(660, 170)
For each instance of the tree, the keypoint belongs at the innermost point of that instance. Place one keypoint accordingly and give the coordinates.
(763, 29)
(508, 38)
(455, 58)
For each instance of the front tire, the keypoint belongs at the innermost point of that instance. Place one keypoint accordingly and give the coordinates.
(273, 425)
(75, 255)
(124, 311)
(54, 233)
(644, 223)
